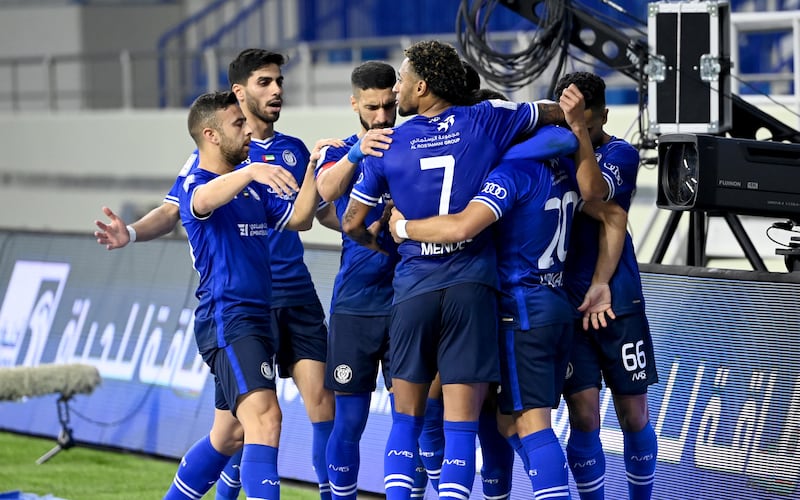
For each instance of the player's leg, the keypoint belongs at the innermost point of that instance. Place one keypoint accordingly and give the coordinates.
(201, 465)
(356, 345)
(247, 377)
(431, 441)
(413, 338)
(628, 378)
(301, 355)
(468, 363)
(582, 394)
(533, 363)
(497, 453)
(230, 483)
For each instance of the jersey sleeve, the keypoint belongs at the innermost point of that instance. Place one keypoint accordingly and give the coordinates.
(188, 187)
(505, 122)
(371, 184)
(499, 191)
(619, 166)
(173, 196)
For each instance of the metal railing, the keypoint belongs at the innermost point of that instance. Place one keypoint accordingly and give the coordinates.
(154, 79)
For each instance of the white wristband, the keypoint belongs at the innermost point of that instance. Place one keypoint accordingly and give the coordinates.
(400, 228)
(131, 233)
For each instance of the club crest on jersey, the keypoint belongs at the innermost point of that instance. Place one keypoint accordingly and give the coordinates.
(267, 371)
(289, 158)
(343, 374)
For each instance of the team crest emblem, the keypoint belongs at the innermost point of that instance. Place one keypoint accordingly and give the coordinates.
(267, 371)
(289, 158)
(343, 374)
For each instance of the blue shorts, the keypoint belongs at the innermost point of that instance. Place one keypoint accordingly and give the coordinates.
(533, 364)
(452, 331)
(246, 365)
(356, 346)
(301, 334)
(621, 354)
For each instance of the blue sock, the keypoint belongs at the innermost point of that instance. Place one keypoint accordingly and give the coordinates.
(431, 441)
(260, 472)
(321, 431)
(548, 470)
(516, 443)
(588, 463)
(498, 458)
(229, 483)
(420, 479)
(400, 459)
(342, 453)
(641, 450)
(458, 465)
(198, 471)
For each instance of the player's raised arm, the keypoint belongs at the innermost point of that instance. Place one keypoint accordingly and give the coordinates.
(590, 180)
(333, 180)
(156, 223)
(305, 205)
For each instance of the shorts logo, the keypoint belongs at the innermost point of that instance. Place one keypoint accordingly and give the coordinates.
(569, 371)
(343, 374)
(267, 371)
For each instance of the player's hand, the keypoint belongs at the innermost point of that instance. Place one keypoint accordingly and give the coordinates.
(315, 152)
(396, 216)
(278, 178)
(374, 229)
(573, 105)
(596, 306)
(376, 141)
(114, 234)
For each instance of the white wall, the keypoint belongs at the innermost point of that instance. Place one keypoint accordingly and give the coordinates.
(57, 170)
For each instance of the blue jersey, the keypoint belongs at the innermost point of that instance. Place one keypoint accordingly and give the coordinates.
(292, 283)
(434, 167)
(363, 285)
(230, 251)
(535, 203)
(619, 163)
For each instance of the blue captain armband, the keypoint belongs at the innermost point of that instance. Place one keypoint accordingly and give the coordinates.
(355, 155)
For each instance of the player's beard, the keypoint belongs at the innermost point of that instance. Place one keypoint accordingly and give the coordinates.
(368, 126)
(233, 153)
(264, 116)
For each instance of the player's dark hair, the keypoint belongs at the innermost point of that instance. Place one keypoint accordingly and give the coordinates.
(473, 78)
(439, 65)
(250, 60)
(203, 112)
(591, 86)
(373, 75)
(485, 94)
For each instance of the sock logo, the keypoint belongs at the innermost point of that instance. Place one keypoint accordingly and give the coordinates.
(454, 461)
(339, 468)
(642, 458)
(271, 482)
(400, 453)
(587, 463)
(343, 374)
(426, 454)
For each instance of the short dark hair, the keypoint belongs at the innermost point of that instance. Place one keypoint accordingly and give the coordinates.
(203, 112)
(591, 86)
(250, 60)
(439, 65)
(472, 77)
(373, 75)
(486, 94)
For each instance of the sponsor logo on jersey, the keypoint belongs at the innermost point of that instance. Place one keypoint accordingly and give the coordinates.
(495, 190)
